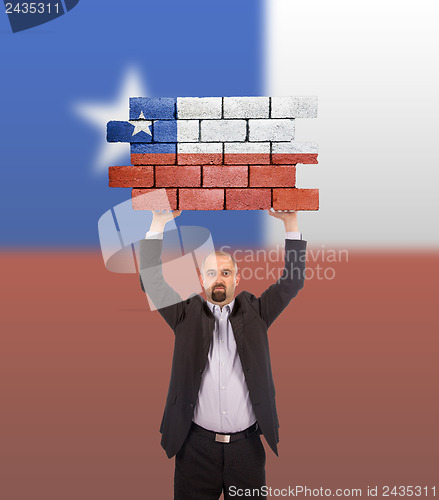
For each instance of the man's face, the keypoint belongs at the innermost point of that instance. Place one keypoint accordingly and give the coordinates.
(219, 279)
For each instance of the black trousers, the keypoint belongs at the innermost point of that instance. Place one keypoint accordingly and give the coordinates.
(205, 468)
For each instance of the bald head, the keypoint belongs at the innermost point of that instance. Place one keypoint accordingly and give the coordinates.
(219, 277)
(219, 253)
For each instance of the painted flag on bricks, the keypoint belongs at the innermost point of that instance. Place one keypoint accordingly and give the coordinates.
(215, 153)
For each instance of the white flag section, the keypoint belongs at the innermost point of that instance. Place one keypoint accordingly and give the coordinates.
(372, 68)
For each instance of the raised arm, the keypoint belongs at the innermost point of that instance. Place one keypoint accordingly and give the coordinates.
(276, 298)
(167, 301)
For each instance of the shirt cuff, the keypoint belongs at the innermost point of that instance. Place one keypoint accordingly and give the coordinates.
(153, 235)
(293, 235)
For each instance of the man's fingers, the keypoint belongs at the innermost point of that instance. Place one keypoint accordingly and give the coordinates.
(165, 215)
(280, 213)
(175, 213)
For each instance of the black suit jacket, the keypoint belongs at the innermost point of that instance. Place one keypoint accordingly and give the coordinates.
(193, 324)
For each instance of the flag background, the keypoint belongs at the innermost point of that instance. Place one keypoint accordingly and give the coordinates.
(85, 365)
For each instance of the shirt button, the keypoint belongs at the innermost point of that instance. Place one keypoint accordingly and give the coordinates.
(223, 387)
(222, 340)
(222, 364)
(224, 412)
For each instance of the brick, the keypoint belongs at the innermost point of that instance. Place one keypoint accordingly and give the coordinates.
(272, 176)
(293, 107)
(153, 159)
(188, 130)
(201, 199)
(154, 199)
(294, 159)
(248, 199)
(152, 108)
(200, 159)
(165, 131)
(246, 107)
(223, 130)
(296, 199)
(295, 147)
(200, 153)
(294, 152)
(160, 148)
(124, 132)
(222, 176)
(199, 107)
(177, 176)
(271, 130)
(131, 176)
(153, 154)
(246, 153)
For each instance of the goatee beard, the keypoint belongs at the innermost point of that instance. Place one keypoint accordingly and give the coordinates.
(219, 295)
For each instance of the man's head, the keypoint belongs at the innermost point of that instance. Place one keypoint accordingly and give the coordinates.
(219, 277)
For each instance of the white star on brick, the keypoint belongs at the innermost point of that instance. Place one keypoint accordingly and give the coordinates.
(141, 125)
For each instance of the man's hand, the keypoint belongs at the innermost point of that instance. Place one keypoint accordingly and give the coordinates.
(289, 219)
(159, 219)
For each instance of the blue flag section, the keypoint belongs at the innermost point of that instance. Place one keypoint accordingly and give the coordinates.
(63, 80)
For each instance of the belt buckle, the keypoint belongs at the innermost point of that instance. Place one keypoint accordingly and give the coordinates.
(222, 438)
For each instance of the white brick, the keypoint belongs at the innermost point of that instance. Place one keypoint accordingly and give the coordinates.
(188, 130)
(247, 147)
(295, 147)
(294, 107)
(246, 107)
(199, 107)
(199, 147)
(271, 130)
(223, 130)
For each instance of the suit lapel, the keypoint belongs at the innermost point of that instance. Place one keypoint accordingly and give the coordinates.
(237, 322)
(208, 324)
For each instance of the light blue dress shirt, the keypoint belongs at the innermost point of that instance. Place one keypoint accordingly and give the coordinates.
(223, 400)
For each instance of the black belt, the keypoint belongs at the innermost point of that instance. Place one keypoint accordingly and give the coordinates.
(225, 438)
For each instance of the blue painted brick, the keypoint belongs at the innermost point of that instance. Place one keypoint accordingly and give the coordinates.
(165, 131)
(153, 148)
(119, 131)
(123, 132)
(154, 108)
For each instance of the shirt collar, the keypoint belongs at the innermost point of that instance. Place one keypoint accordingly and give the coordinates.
(229, 305)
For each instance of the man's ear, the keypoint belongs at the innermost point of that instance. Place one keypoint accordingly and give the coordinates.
(201, 280)
(238, 277)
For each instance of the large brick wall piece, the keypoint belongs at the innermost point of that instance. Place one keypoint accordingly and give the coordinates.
(215, 153)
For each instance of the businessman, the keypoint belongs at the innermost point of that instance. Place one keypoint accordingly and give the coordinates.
(221, 395)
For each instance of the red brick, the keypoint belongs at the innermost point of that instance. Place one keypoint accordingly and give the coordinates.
(272, 176)
(247, 158)
(293, 158)
(200, 158)
(177, 176)
(154, 199)
(248, 199)
(308, 199)
(285, 199)
(225, 176)
(201, 199)
(153, 158)
(296, 199)
(131, 176)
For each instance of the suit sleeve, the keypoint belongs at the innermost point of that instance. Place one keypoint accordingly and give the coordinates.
(167, 301)
(276, 298)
